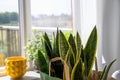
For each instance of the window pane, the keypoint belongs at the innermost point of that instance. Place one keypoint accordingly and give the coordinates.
(47, 15)
(9, 29)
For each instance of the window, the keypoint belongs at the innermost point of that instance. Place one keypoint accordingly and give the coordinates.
(56, 14)
(9, 29)
(47, 15)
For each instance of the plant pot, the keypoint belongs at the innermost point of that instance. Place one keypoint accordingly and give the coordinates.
(15, 66)
(95, 75)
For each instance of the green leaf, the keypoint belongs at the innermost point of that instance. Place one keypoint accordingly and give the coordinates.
(64, 46)
(79, 45)
(43, 65)
(44, 76)
(77, 71)
(82, 54)
(73, 46)
(56, 45)
(48, 47)
(71, 59)
(106, 70)
(103, 72)
(58, 66)
(90, 51)
(67, 60)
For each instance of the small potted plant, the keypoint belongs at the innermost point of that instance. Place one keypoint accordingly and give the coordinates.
(32, 47)
(68, 59)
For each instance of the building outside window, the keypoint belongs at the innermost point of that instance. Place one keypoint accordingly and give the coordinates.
(48, 15)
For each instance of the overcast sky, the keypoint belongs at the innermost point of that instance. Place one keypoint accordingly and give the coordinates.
(55, 7)
(8, 5)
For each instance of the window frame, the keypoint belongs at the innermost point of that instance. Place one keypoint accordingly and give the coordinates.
(25, 22)
(25, 19)
(25, 28)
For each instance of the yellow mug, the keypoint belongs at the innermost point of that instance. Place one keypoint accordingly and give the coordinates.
(15, 66)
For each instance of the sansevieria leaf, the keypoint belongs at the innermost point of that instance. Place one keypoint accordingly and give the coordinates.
(77, 71)
(48, 47)
(82, 53)
(56, 45)
(106, 70)
(90, 51)
(103, 72)
(64, 46)
(58, 65)
(73, 46)
(43, 65)
(69, 59)
(78, 45)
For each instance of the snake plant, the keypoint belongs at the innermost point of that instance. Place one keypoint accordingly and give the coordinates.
(79, 58)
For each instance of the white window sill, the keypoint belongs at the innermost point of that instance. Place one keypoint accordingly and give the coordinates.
(2, 71)
(29, 75)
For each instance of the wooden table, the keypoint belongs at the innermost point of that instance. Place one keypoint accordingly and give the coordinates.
(30, 75)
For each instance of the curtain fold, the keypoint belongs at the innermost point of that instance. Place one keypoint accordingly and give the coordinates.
(108, 20)
(84, 19)
(76, 14)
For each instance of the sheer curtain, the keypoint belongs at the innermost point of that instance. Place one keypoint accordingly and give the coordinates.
(84, 19)
(105, 14)
(108, 19)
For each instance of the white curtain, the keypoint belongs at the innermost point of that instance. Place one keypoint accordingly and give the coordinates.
(105, 14)
(84, 19)
(108, 20)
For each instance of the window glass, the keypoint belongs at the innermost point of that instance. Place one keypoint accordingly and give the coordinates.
(47, 15)
(9, 29)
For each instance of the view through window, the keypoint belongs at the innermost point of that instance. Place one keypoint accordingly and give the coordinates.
(9, 29)
(47, 15)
